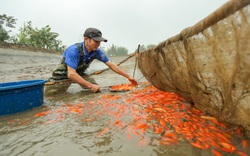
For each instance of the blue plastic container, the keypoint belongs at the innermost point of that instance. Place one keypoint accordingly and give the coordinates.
(20, 96)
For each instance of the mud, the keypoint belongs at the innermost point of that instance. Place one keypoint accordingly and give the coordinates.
(84, 123)
(24, 65)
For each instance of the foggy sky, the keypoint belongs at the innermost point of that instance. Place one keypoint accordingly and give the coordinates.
(123, 22)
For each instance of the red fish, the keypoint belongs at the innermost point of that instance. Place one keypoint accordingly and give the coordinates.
(142, 126)
(244, 144)
(158, 130)
(107, 96)
(241, 153)
(118, 123)
(170, 135)
(76, 110)
(216, 153)
(162, 123)
(160, 109)
(122, 87)
(42, 114)
(227, 147)
(197, 144)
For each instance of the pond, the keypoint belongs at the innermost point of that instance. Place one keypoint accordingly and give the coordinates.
(143, 121)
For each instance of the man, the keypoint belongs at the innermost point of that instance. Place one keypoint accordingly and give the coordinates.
(77, 58)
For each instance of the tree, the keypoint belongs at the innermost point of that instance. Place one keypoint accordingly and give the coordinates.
(6, 21)
(3, 34)
(41, 38)
(117, 51)
(111, 51)
(121, 51)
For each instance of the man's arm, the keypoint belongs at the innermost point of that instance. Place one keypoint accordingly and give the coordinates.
(74, 76)
(118, 70)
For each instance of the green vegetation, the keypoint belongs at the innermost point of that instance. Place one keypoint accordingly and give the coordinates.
(6, 22)
(117, 51)
(41, 38)
(45, 38)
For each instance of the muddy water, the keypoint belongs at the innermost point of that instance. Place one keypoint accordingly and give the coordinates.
(79, 122)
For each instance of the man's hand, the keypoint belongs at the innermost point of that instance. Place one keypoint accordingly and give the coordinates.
(133, 81)
(95, 88)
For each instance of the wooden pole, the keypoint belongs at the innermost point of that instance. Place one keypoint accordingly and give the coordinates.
(138, 49)
(119, 63)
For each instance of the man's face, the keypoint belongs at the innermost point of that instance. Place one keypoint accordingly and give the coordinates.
(92, 44)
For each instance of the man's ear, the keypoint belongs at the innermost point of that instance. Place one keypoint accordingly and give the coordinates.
(86, 38)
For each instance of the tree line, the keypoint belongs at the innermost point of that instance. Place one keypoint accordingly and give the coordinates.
(45, 38)
(28, 35)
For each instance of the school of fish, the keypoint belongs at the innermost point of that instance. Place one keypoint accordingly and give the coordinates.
(166, 116)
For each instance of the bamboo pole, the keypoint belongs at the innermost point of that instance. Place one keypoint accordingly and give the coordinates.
(119, 63)
(138, 49)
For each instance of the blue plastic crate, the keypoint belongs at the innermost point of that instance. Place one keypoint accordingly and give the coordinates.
(20, 96)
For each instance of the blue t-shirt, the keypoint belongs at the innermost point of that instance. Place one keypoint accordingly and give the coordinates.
(72, 55)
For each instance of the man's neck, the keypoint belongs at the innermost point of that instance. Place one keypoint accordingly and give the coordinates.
(87, 48)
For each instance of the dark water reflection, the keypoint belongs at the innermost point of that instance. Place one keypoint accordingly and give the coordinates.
(77, 124)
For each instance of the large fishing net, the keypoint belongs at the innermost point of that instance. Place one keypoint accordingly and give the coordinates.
(208, 64)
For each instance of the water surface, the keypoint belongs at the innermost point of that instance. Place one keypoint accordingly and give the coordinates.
(79, 122)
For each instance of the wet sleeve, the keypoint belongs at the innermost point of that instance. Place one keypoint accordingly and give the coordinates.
(101, 56)
(72, 56)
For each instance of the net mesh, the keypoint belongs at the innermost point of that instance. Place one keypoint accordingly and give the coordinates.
(208, 64)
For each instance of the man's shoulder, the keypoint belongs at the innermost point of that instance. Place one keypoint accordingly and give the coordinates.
(72, 50)
(74, 47)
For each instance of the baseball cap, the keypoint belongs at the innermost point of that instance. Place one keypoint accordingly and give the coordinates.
(95, 34)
